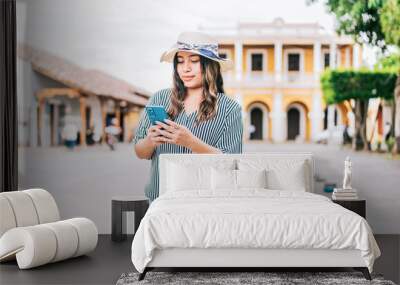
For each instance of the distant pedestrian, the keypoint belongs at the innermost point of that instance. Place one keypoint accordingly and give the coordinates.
(251, 130)
(90, 136)
(387, 130)
(346, 136)
(112, 133)
(70, 135)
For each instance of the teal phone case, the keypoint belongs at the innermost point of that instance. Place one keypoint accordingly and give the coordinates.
(156, 113)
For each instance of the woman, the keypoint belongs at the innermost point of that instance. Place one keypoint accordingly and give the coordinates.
(202, 118)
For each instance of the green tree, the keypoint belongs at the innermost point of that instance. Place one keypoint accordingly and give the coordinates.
(360, 86)
(389, 63)
(375, 22)
(390, 21)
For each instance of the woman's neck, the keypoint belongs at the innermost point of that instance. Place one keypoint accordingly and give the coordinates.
(194, 97)
(195, 92)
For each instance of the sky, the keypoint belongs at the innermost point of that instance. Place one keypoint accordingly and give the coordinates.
(126, 37)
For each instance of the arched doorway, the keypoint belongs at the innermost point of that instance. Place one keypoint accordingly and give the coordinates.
(256, 124)
(296, 122)
(293, 123)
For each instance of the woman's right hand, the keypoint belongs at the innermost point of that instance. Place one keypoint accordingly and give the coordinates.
(154, 136)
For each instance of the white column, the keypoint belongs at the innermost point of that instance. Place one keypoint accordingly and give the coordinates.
(238, 59)
(278, 61)
(239, 99)
(331, 116)
(317, 60)
(331, 121)
(316, 116)
(332, 56)
(278, 119)
(356, 56)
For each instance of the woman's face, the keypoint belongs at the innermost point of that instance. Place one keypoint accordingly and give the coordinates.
(189, 69)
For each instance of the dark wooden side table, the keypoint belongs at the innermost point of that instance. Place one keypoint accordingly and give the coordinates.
(357, 206)
(120, 204)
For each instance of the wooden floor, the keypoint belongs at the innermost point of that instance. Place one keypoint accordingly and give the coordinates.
(111, 259)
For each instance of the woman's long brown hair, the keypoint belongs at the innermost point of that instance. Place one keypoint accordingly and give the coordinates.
(212, 85)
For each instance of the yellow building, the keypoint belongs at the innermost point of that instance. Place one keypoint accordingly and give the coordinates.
(276, 77)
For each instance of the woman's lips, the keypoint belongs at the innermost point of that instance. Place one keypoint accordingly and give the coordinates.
(187, 78)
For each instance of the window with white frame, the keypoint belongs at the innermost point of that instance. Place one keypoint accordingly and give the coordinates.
(293, 62)
(326, 60)
(257, 60)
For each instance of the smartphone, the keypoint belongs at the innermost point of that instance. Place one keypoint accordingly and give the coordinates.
(156, 113)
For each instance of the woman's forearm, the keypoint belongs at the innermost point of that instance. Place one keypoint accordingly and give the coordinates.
(198, 146)
(144, 149)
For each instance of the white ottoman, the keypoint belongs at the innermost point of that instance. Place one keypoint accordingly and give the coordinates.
(32, 233)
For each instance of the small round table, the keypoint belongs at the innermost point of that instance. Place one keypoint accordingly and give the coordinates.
(120, 204)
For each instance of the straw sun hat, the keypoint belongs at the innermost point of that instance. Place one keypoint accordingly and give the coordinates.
(199, 43)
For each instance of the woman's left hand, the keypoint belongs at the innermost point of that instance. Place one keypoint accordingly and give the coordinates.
(176, 134)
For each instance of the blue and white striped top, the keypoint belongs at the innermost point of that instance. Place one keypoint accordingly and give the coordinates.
(224, 131)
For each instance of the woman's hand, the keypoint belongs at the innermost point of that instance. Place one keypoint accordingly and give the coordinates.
(176, 134)
(154, 136)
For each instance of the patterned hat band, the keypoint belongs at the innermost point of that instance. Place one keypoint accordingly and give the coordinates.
(198, 43)
(210, 50)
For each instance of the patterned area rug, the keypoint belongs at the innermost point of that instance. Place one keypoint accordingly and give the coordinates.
(230, 278)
